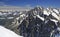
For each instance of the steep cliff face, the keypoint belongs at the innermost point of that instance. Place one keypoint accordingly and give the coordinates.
(40, 22)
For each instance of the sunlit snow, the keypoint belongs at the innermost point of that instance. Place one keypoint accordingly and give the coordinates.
(40, 17)
(7, 33)
(10, 17)
(54, 20)
(53, 14)
(56, 11)
(46, 13)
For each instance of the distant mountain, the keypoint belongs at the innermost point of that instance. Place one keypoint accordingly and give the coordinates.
(13, 8)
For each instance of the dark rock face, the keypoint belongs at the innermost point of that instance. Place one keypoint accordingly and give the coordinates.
(34, 26)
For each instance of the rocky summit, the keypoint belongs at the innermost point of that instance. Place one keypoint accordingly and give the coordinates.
(40, 22)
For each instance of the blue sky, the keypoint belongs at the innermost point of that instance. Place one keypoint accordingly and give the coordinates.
(32, 3)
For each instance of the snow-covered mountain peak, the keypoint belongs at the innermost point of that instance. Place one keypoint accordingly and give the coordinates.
(51, 12)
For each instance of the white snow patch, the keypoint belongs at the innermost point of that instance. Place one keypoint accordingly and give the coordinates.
(1, 13)
(46, 21)
(47, 8)
(56, 11)
(22, 15)
(53, 14)
(54, 20)
(4, 13)
(17, 18)
(20, 12)
(35, 12)
(58, 28)
(10, 17)
(7, 33)
(46, 13)
(15, 14)
(40, 17)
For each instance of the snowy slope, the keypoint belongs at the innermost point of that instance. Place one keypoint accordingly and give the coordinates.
(7, 33)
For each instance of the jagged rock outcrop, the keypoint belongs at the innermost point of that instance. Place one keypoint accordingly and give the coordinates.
(40, 22)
